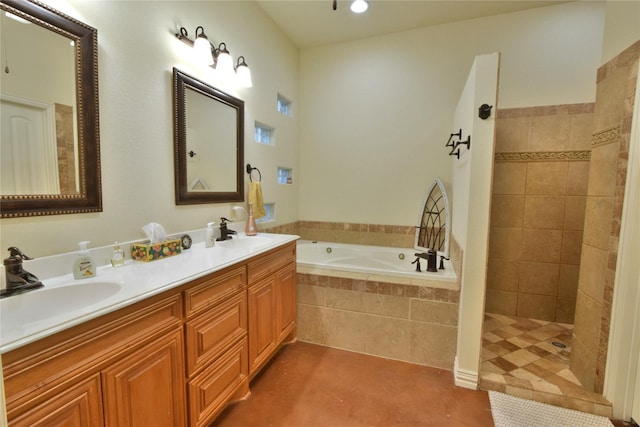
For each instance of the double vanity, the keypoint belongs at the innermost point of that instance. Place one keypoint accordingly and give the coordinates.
(165, 343)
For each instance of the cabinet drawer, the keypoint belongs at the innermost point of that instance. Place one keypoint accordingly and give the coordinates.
(271, 262)
(214, 387)
(211, 333)
(213, 288)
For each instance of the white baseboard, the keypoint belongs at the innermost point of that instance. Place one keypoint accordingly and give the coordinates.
(464, 378)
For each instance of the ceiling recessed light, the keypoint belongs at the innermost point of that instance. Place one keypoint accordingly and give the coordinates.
(359, 6)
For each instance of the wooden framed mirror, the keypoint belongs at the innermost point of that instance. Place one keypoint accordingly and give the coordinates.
(208, 143)
(50, 116)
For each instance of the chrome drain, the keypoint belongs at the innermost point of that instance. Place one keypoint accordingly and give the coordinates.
(559, 344)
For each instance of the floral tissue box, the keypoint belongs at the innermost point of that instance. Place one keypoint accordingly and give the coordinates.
(146, 251)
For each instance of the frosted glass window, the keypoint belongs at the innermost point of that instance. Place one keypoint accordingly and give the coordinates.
(284, 105)
(285, 176)
(269, 209)
(264, 134)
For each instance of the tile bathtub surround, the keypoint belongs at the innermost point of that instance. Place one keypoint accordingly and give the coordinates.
(398, 236)
(362, 234)
(615, 91)
(519, 358)
(537, 214)
(416, 324)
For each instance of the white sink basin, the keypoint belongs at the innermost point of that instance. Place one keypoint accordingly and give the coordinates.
(46, 303)
(246, 242)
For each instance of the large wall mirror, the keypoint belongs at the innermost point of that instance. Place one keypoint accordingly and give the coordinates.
(209, 141)
(50, 150)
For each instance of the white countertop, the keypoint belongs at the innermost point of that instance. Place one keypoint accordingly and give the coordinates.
(34, 315)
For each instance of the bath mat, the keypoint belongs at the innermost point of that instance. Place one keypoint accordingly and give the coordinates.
(510, 411)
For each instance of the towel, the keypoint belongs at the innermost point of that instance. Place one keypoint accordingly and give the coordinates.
(255, 198)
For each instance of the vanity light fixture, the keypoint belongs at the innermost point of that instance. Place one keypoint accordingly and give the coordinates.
(243, 73)
(217, 57)
(202, 46)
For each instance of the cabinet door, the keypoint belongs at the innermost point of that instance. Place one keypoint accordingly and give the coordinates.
(286, 302)
(78, 406)
(262, 328)
(147, 387)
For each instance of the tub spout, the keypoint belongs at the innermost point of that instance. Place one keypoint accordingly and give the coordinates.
(432, 258)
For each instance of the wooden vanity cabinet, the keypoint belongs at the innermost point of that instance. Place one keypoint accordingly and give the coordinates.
(173, 360)
(121, 369)
(272, 303)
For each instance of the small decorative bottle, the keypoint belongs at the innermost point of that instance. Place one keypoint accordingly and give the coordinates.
(251, 229)
(117, 257)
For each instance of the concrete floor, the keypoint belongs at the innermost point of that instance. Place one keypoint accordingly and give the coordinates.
(307, 385)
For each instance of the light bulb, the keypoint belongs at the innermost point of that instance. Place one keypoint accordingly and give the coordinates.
(203, 50)
(243, 73)
(224, 64)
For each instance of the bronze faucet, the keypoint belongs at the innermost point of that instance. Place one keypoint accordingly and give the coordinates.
(18, 279)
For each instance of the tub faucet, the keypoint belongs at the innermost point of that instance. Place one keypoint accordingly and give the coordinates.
(431, 256)
(18, 280)
(225, 233)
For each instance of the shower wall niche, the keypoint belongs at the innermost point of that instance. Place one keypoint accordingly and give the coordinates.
(539, 192)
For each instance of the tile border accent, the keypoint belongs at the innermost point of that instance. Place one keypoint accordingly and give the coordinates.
(543, 156)
(382, 288)
(606, 136)
(347, 226)
(546, 110)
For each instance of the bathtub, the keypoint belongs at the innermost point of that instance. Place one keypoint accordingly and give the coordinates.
(387, 264)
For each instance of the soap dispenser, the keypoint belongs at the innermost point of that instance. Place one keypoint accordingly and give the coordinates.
(210, 235)
(83, 267)
(251, 229)
(117, 257)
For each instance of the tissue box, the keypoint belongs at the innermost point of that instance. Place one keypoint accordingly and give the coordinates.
(150, 252)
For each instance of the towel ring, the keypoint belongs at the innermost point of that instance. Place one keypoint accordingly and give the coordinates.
(250, 169)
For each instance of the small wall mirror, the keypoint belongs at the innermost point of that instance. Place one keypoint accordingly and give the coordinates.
(209, 141)
(50, 149)
(433, 231)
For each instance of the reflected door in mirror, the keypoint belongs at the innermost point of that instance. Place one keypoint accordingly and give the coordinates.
(38, 97)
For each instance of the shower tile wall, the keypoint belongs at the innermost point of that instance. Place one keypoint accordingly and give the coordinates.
(616, 86)
(537, 215)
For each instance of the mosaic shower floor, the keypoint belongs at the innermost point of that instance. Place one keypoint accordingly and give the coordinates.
(530, 358)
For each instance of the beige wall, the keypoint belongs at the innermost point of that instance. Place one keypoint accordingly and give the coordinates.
(137, 51)
(377, 112)
(537, 215)
(622, 27)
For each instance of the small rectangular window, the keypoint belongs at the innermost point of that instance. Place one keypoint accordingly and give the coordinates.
(269, 209)
(285, 175)
(284, 106)
(264, 134)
